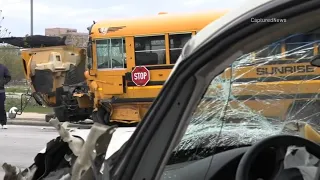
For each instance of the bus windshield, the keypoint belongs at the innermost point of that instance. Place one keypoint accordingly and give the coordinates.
(111, 53)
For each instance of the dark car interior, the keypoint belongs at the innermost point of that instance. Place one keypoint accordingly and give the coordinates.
(222, 165)
(262, 160)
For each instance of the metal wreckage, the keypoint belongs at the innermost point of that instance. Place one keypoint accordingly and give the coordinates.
(70, 154)
(54, 69)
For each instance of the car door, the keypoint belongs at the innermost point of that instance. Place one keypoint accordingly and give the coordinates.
(206, 55)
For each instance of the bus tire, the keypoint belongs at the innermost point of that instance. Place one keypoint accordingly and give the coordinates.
(101, 116)
(302, 111)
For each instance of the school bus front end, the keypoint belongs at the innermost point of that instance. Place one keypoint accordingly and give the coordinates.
(131, 59)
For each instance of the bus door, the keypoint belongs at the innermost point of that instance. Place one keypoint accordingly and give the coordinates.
(110, 66)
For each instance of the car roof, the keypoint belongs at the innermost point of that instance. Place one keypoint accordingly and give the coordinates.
(214, 27)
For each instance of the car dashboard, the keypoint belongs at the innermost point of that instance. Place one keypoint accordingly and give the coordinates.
(223, 165)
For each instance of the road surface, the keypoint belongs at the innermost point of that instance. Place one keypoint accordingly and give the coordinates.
(20, 144)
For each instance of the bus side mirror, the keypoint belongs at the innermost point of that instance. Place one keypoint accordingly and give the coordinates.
(315, 61)
(89, 66)
(89, 50)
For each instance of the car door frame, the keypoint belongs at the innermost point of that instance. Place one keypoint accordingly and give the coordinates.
(145, 154)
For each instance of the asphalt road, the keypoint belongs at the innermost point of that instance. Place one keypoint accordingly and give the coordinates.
(20, 144)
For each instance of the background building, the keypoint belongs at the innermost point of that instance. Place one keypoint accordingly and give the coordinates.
(73, 36)
(59, 31)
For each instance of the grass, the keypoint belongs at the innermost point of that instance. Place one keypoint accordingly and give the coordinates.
(16, 89)
(39, 109)
(15, 102)
(31, 107)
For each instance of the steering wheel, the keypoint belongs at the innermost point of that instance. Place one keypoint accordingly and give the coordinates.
(278, 141)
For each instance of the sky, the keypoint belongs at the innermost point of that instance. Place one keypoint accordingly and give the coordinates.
(79, 14)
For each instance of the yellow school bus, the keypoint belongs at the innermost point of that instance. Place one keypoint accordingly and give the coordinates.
(147, 46)
(278, 75)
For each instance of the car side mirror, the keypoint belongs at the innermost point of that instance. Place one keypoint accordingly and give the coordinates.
(315, 61)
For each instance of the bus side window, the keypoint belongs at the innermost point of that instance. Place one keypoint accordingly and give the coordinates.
(177, 42)
(150, 50)
(300, 46)
(270, 50)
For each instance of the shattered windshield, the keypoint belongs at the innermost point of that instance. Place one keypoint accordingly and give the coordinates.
(261, 94)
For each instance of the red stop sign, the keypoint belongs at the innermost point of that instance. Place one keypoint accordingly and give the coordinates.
(140, 75)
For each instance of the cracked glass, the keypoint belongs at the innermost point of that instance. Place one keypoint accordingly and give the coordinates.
(263, 93)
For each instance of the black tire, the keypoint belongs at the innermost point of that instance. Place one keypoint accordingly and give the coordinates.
(49, 116)
(304, 111)
(101, 116)
(78, 118)
(74, 76)
(60, 114)
(37, 98)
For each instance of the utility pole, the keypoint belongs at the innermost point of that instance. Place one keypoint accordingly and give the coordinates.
(31, 17)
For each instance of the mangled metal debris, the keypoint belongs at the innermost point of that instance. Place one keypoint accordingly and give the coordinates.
(14, 173)
(85, 162)
(75, 143)
(93, 149)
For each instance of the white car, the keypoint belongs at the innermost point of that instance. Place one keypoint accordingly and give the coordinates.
(238, 134)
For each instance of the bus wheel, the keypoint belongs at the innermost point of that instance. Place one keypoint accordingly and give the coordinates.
(101, 116)
(304, 111)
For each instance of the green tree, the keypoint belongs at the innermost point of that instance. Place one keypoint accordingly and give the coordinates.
(9, 56)
(3, 31)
